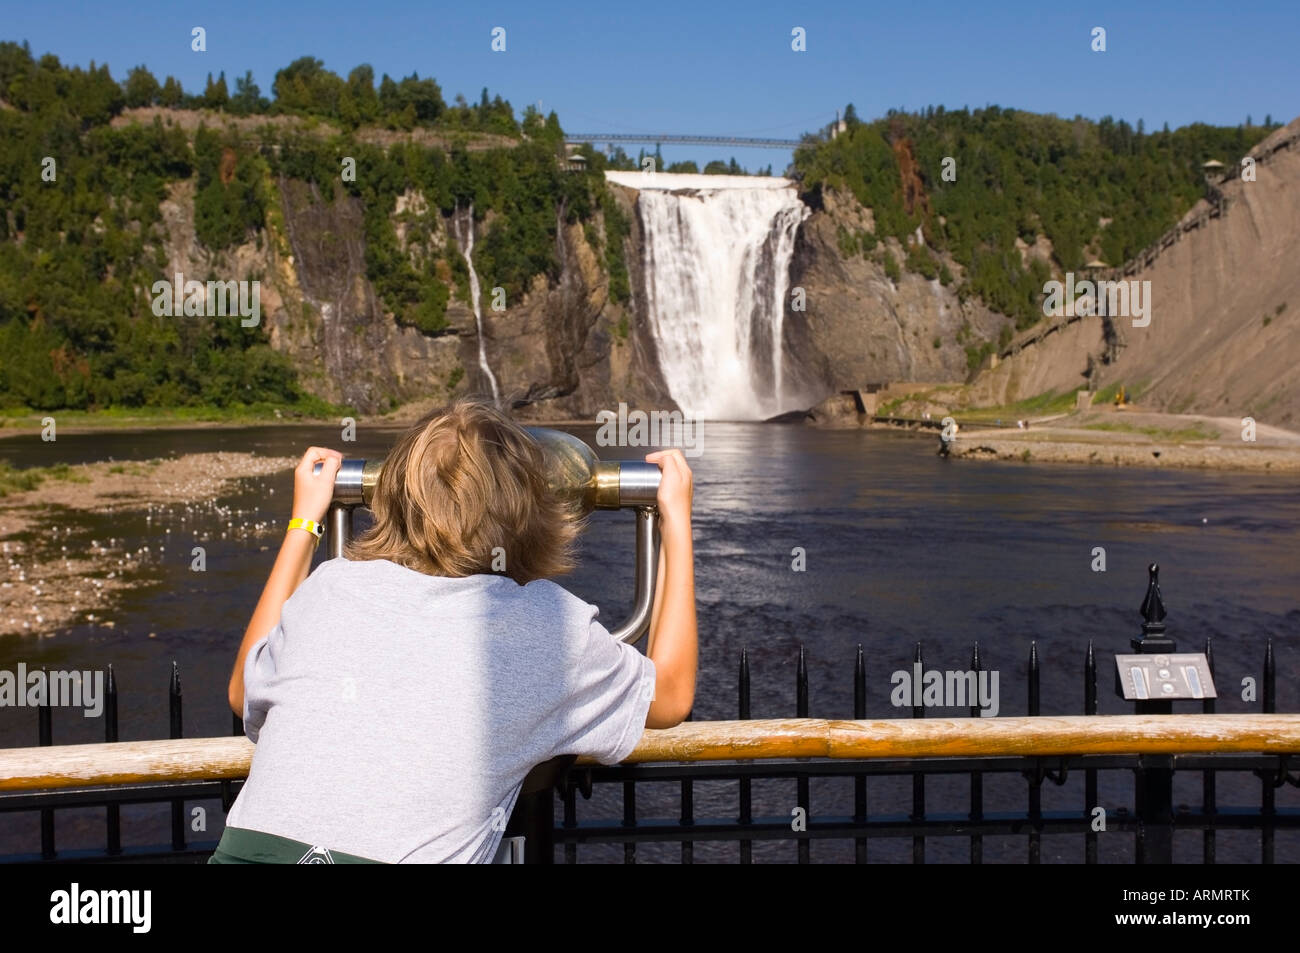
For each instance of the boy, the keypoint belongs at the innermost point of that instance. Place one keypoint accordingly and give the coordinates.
(399, 695)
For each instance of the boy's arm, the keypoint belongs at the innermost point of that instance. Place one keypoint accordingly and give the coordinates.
(311, 497)
(673, 644)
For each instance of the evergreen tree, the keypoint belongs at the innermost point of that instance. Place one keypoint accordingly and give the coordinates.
(554, 134)
(172, 95)
(215, 95)
(361, 86)
(387, 96)
(141, 89)
(248, 97)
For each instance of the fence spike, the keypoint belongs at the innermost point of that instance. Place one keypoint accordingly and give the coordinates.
(744, 684)
(918, 711)
(860, 684)
(1090, 681)
(110, 705)
(1033, 678)
(801, 684)
(1270, 678)
(174, 702)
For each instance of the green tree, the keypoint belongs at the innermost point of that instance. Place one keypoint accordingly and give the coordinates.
(422, 97)
(141, 89)
(388, 104)
(172, 95)
(216, 95)
(248, 97)
(305, 86)
(361, 86)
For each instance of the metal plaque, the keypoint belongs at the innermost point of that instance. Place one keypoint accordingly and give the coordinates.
(1177, 677)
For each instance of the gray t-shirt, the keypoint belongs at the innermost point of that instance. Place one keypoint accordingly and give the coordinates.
(396, 713)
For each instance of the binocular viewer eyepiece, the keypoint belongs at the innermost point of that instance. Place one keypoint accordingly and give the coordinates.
(574, 473)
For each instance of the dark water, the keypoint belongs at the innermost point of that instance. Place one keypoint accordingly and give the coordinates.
(900, 547)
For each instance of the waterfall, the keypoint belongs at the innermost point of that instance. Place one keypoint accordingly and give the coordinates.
(717, 272)
(467, 249)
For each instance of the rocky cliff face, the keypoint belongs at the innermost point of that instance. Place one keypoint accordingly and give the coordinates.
(862, 326)
(316, 303)
(565, 351)
(330, 320)
(1224, 325)
(570, 351)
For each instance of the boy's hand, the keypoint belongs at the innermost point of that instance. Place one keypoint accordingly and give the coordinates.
(312, 492)
(676, 488)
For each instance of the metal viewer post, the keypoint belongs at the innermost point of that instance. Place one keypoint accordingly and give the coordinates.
(575, 473)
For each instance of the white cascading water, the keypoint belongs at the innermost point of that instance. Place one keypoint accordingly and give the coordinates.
(717, 270)
(467, 249)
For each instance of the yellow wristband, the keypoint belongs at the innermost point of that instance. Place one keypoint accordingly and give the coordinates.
(310, 526)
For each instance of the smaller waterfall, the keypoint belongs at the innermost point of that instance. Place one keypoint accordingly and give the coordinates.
(467, 249)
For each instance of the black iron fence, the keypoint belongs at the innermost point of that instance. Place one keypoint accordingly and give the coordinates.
(1151, 820)
(111, 798)
(552, 826)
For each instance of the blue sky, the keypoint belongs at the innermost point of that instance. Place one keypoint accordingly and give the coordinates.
(728, 68)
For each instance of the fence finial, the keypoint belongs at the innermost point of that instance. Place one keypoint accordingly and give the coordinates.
(1153, 606)
(1153, 638)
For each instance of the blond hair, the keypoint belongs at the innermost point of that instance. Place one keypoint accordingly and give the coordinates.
(462, 488)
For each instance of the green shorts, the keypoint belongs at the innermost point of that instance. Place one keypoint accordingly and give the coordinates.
(240, 846)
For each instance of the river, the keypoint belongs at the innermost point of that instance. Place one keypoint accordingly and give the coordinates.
(900, 547)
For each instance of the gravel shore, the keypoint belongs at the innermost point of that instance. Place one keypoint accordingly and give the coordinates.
(47, 585)
(1044, 449)
(1138, 439)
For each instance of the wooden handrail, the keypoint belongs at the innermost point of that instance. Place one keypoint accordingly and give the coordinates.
(229, 758)
(970, 737)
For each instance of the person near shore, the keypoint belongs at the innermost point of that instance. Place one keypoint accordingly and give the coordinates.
(399, 695)
(947, 436)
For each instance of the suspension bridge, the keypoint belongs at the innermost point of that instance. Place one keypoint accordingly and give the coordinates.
(738, 142)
